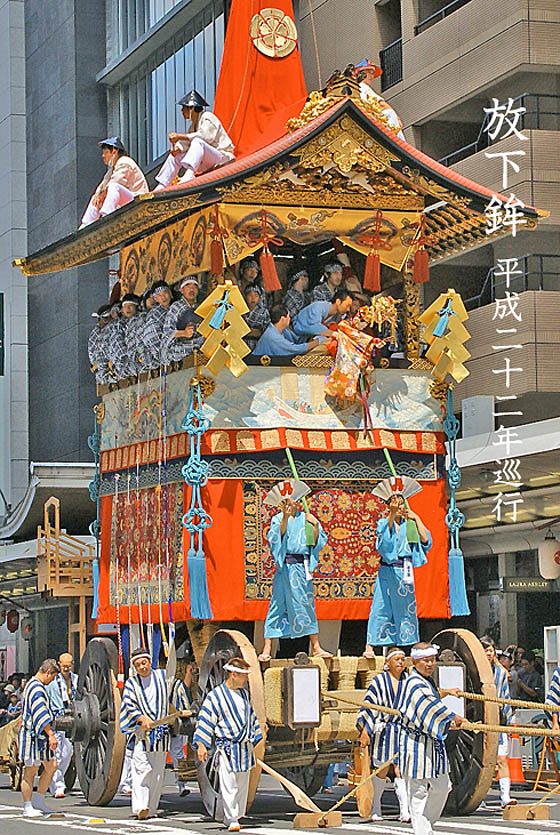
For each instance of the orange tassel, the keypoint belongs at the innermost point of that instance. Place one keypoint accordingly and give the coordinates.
(216, 257)
(421, 270)
(372, 273)
(268, 270)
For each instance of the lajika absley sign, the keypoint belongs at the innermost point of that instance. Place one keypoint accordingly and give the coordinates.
(526, 584)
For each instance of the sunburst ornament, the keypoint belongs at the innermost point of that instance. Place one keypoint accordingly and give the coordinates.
(273, 33)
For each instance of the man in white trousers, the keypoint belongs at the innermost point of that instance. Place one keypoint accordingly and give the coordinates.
(205, 147)
(425, 722)
(62, 692)
(181, 699)
(123, 180)
(227, 719)
(146, 699)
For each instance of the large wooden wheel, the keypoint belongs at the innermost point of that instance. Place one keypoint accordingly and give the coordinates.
(96, 734)
(227, 644)
(472, 757)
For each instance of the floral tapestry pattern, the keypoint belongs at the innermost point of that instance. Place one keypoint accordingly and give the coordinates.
(147, 546)
(347, 565)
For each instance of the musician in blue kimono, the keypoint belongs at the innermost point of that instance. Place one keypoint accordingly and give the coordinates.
(62, 692)
(392, 617)
(228, 723)
(425, 723)
(381, 730)
(36, 740)
(506, 718)
(291, 612)
(146, 699)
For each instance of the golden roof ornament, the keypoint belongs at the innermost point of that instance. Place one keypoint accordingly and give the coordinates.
(342, 84)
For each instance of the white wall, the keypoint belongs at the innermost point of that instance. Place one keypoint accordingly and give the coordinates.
(13, 284)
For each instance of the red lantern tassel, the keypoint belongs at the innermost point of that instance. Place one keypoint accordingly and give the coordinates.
(268, 270)
(421, 269)
(216, 257)
(372, 279)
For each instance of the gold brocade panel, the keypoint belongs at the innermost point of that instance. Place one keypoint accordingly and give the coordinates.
(183, 248)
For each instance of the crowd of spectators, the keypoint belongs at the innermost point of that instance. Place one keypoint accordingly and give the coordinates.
(11, 693)
(138, 334)
(525, 669)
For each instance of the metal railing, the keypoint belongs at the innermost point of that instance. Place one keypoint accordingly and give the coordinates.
(439, 15)
(542, 113)
(536, 271)
(390, 59)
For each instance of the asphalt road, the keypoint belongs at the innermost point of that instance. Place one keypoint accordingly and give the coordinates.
(271, 814)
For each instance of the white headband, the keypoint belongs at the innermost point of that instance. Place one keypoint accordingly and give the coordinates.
(231, 668)
(427, 652)
(394, 652)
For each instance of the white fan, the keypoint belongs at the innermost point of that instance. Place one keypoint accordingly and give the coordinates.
(401, 485)
(290, 488)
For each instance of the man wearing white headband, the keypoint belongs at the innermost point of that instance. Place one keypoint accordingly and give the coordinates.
(425, 723)
(146, 699)
(392, 617)
(381, 730)
(227, 719)
(180, 338)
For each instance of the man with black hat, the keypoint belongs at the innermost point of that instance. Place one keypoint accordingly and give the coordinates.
(205, 147)
(152, 336)
(180, 338)
(297, 295)
(330, 282)
(145, 699)
(121, 183)
(103, 316)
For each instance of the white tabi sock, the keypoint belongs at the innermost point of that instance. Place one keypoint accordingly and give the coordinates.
(505, 784)
(378, 789)
(400, 791)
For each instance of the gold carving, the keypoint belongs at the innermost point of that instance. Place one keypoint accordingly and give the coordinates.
(317, 103)
(312, 361)
(438, 390)
(412, 312)
(345, 145)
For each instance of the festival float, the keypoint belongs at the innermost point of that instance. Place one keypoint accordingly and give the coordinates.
(186, 455)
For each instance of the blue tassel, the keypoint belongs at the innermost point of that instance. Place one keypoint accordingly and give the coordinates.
(198, 586)
(222, 308)
(457, 591)
(444, 315)
(95, 577)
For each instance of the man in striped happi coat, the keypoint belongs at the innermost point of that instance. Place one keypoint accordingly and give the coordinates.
(181, 699)
(381, 730)
(425, 723)
(145, 699)
(62, 692)
(227, 719)
(36, 740)
(553, 696)
(506, 717)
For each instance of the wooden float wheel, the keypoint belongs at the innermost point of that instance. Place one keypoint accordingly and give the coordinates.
(472, 757)
(15, 766)
(95, 732)
(227, 644)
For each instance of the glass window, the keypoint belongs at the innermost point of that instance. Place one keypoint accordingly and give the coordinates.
(145, 103)
(133, 18)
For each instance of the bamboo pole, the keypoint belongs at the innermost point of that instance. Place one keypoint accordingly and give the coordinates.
(357, 788)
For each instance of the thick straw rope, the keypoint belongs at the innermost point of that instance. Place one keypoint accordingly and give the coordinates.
(520, 730)
(479, 697)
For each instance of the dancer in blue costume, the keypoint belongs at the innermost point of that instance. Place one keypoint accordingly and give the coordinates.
(291, 613)
(393, 618)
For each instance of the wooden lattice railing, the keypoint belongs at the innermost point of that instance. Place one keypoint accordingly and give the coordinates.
(64, 563)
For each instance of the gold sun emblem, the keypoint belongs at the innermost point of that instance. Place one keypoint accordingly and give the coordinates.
(273, 33)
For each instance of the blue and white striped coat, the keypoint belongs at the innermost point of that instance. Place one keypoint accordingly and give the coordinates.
(385, 740)
(36, 714)
(135, 704)
(180, 696)
(425, 723)
(57, 692)
(233, 731)
(553, 695)
(502, 690)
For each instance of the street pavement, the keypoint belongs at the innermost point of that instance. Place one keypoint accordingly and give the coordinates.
(271, 814)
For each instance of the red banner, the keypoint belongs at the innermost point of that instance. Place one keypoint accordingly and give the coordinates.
(239, 565)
